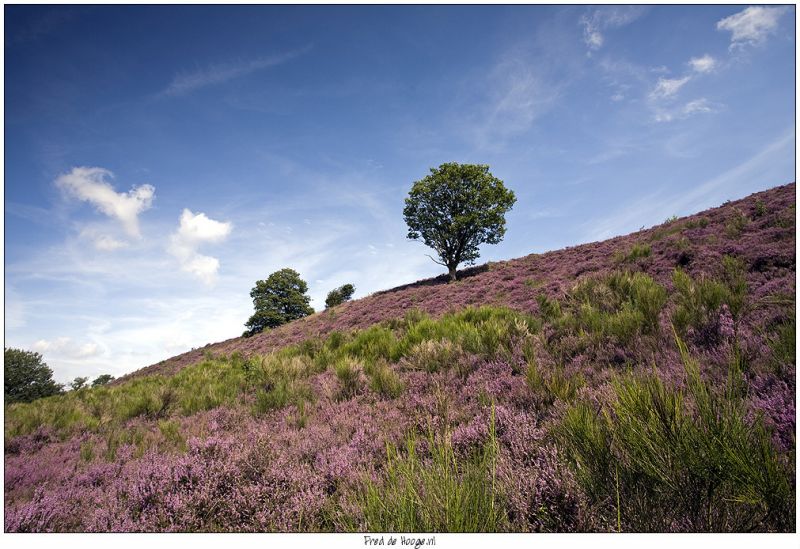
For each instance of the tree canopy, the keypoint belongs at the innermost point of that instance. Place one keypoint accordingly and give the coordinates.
(339, 295)
(102, 379)
(455, 209)
(279, 299)
(26, 377)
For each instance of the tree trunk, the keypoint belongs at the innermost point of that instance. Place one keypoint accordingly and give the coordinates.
(452, 271)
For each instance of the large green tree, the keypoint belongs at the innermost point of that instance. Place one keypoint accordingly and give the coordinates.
(279, 299)
(455, 209)
(26, 377)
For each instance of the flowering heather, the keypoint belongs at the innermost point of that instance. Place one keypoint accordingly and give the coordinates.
(544, 391)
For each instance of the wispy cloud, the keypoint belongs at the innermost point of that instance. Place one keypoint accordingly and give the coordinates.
(668, 87)
(696, 106)
(751, 25)
(187, 82)
(103, 242)
(658, 205)
(92, 185)
(705, 63)
(605, 18)
(196, 230)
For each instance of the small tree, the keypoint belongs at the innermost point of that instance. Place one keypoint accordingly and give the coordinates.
(455, 209)
(339, 295)
(78, 383)
(103, 379)
(26, 377)
(278, 300)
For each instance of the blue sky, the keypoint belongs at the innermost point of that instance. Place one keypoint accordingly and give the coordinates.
(160, 160)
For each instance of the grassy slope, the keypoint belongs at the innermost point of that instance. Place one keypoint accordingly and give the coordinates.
(492, 419)
(515, 283)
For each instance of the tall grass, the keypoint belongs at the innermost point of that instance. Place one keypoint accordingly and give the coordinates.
(440, 492)
(664, 458)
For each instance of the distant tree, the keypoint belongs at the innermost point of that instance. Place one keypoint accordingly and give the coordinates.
(278, 300)
(455, 209)
(78, 383)
(339, 295)
(103, 379)
(26, 377)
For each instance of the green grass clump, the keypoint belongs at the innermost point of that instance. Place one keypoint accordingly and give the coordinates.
(614, 308)
(348, 372)
(384, 380)
(659, 454)
(699, 300)
(736, 224)
(549, 386)
(637, 251)
(440, 493)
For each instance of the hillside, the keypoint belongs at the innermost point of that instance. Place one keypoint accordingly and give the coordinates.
(643, 383)
(515, 283)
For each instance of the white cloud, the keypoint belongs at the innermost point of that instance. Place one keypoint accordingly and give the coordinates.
(91, 185)
(194, 231)
(706, 63)
(102, 241)
(751, 25)
(518, 95)
(668, 87)
(608, 17)
(187, 82)
(696, 106)
(64, 347)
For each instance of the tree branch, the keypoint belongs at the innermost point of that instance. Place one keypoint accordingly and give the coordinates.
(437, 262)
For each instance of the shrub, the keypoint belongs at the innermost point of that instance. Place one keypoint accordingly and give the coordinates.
(348, 371)
(384, 380)
(736, 224)
(339, 295)
(638, 251)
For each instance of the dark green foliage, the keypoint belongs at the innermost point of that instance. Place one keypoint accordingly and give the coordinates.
(736, 224)
(701, 223)
(26, 377)
(659, 454)
(278, 300)
(699, 301)
(638, 251)
(761, 208)
(616, 307)
(78, 383)
(339, 295)
(455, 209)
(103, 379)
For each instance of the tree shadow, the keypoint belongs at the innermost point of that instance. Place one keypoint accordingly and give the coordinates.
(439, 280)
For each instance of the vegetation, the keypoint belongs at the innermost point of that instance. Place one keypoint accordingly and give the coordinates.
(455, 209)
(691, 454)
(26, 377)
(575, 408)
(446, 493)
(339, 295)
(278, 300)
(103, 379)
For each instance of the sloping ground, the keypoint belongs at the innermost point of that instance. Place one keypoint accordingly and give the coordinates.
(645, 383)
(765, 242)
